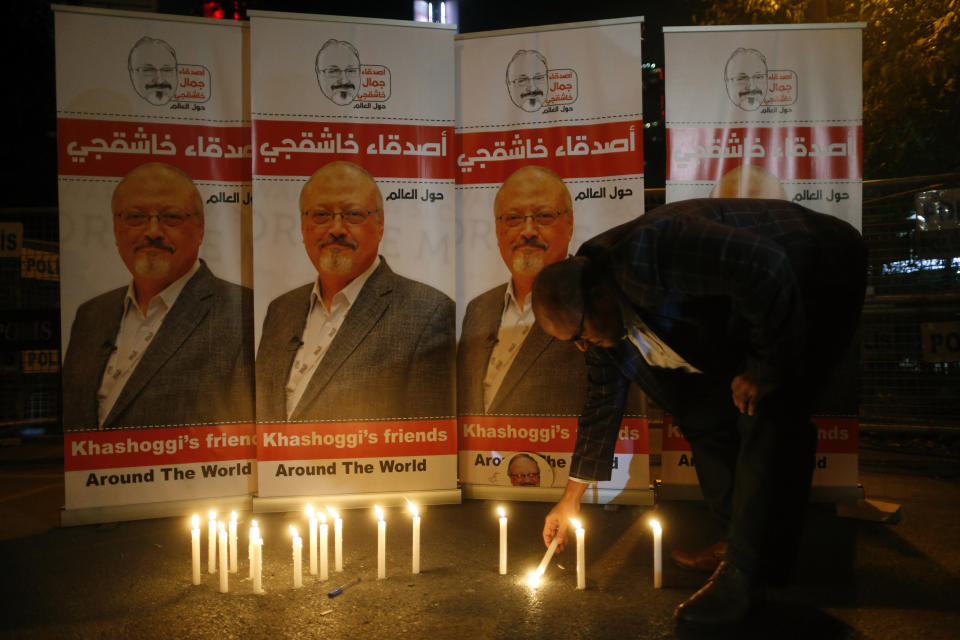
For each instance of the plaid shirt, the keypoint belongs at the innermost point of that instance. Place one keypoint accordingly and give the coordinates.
(725, 283)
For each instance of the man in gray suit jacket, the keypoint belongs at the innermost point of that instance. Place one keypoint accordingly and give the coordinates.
(506, 364)
(175, 346)
(361, 342)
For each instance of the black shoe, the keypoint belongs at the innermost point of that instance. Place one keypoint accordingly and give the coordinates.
(726, 599)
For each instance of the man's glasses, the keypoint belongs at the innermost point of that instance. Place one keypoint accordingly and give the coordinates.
(167, 219)
(525, 476)
(582, 343)
(152, 70)
(334, 73)
(521, 81)
(322, 218)
(540, 219)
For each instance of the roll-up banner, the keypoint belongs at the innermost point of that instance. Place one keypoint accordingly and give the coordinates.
(771, 111)
(766, 111)
(154, 170)
(548, 154)
(353, 178)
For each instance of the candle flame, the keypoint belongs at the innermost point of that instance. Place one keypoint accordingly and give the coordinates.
(213, 514)
(412, 507)
(533, 579)
(253, 524)
(233, 516)
(503, 514)
(309, 510)
(655, 525)
(221, 528)
(379, 512)
(293, 531)
(322, 516)
(195, 520)
(576, 523)
(333, 512)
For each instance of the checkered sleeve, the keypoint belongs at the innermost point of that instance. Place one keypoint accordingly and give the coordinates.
(599, 424)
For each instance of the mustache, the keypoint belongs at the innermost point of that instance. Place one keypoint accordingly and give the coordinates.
(343, 86)
(530, 242)
(159, 85)
(338, 240)
(154, 243)
(530, 94)
(751, 92)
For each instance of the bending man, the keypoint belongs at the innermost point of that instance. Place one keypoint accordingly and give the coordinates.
(729, 313)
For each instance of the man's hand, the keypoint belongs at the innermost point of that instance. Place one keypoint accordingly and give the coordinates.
(747, 392)
(555, 524)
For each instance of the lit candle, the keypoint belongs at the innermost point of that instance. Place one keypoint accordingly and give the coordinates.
(337, 540)
(324, 573)
(257, 562)
(251, 543)
(657, 554)
(549, 554)
(297, 558)
(503, 541)
(313, 540)
(416, 537)
(212, 542)
(581, 562)
(381, 544)
(224, 587)
(195, 548)
(232, 531)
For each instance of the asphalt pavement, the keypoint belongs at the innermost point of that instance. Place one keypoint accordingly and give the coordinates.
(855, 579)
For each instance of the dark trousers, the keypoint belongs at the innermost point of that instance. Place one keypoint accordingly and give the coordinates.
(754, 471)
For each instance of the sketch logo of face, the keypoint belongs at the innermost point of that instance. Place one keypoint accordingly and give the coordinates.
(343, 79)
(533, 87)
(750, 84)
(159, 79)
(153, 70)
(745, 78)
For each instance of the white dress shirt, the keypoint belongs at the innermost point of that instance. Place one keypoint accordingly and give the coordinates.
(515, 323)
(318, 332)
(137, 330)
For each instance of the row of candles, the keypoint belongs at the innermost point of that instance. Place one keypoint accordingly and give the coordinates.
(222, 540)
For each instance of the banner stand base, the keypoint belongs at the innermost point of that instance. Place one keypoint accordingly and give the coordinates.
(817, 494)
(149, 510)
(356, 500)
(593, 495)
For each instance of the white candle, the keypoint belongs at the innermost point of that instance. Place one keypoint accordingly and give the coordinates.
(251, 543)
(324, 572)
(657, 554)
(581, 560)
(257, 563)
(381, 544)
(195, 548)
(416, 537)
(212, 542)
(232, 533)
(503, 541)
(549, 554)
(337, 540)
(297, 558)
(533, 578)
(313, 540)
(224, 587)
